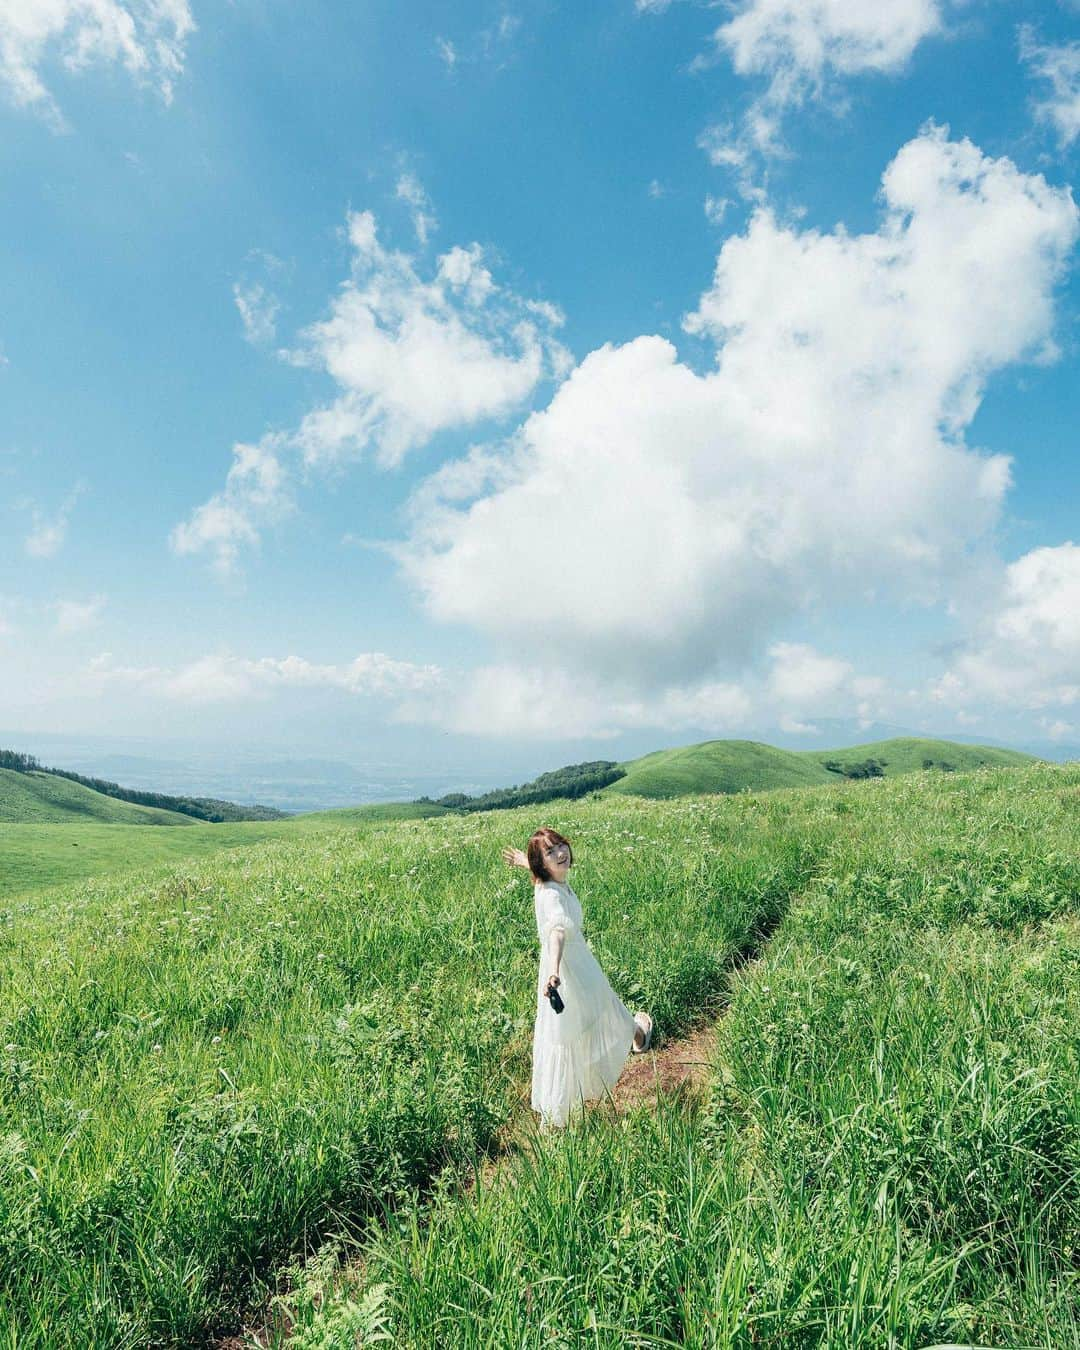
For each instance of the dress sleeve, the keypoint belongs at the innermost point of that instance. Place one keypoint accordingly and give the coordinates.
(552, 915)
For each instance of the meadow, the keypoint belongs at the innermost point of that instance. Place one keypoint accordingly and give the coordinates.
(219, 1077)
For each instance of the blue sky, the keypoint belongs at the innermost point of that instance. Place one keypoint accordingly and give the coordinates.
(517, 384)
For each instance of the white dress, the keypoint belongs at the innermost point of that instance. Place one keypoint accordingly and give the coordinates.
(578, 1054)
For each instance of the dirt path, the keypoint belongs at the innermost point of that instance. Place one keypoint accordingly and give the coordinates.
(677, 1067)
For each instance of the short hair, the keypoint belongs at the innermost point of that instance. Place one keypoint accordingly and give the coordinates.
(535, 851)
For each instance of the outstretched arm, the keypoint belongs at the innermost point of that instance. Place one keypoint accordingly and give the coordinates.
(515, 857)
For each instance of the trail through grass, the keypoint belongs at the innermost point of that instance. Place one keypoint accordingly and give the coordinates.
(888, 1153)
(212, 1072)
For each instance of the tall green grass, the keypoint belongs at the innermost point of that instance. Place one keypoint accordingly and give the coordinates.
(206, 1069)
(889, 1151)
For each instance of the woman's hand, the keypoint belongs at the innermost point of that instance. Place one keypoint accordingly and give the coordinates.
(515, 857)
(553, 980)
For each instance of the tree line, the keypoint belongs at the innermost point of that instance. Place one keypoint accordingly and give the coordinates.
(573, 780)
(210, 809)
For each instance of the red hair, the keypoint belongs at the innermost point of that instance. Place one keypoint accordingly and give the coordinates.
(535, 851)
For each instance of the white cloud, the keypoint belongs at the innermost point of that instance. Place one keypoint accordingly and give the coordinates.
(414, 357)
(510, 699)
(146, 37)
(799, 42)
(221, 678)
(653, 528)
(716, 209)
(539, 702)
(410, 358)
(48, 533)
(256, 493)
(493, 44)
(258, 309)
(410, 190)
(1025, 648)
(1060, 66)
(76, 616)
(802, 48)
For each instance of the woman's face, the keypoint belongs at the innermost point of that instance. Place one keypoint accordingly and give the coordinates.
(557, 860)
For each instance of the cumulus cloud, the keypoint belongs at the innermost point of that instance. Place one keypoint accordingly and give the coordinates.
(410, 356)
(1025, 650)
(414, 357)
(508, 699)
(537, 700)
(654, 528)
(76, 616)
(1059, 66)
(802, 49)
(256, 494)
(221, 678)
(146, 37)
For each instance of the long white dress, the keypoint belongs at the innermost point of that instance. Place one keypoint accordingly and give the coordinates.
(578, 1054)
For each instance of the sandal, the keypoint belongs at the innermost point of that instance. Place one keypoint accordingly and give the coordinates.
(645, 1023)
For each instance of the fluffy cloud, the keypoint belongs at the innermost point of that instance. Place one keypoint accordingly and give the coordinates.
(655, 528)
(511, 699)
(802, 48)
(219, 678)
(537, 701)
(413, 357)
(1060, 67)
(410, 357)
(256, 494)
(1025, 652)
(798, 43)
(147, 37)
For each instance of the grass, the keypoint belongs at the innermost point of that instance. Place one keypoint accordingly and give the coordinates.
(890, 1151)
(214, 1070)
(734, 766)
(44, 797)
(34, 857)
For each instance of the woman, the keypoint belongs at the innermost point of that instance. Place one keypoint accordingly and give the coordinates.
(578, 1053)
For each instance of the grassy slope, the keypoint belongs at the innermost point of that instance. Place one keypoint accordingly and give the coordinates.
(730, 766)
(39, 798)
(907, 754)
(889, 1154)
(213, 1062)
(716, 766)
(35, 857)
(68, 832)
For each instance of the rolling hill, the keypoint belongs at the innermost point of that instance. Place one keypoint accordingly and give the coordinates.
(730, 766)
(44, 798)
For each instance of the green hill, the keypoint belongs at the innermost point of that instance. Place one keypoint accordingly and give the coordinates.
(730, 766)
(39, 798)
(908, 754)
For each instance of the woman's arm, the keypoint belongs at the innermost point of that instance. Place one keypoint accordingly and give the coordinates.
(558, 939)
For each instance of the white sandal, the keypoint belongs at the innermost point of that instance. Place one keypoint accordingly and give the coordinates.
(645, 1023)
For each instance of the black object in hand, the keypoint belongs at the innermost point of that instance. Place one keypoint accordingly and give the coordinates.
(555, 999)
